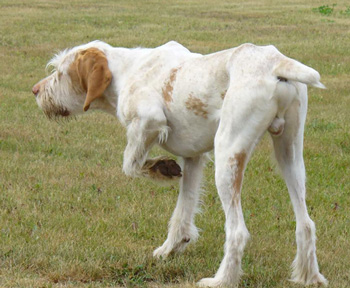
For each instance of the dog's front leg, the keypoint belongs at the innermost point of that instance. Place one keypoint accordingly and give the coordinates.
(142, 133)
(181, 226)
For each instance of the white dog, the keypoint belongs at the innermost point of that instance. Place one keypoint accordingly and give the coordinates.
(189, 104)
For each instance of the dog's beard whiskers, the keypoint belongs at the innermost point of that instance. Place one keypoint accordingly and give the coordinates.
(53, 110)
(62, 119)
(59, 114)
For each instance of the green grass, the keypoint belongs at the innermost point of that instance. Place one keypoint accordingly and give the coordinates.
(68, 215)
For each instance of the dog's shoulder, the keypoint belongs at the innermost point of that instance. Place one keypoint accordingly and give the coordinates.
(156, 64)
(173, 46)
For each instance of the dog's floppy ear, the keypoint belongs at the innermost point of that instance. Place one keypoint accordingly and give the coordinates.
(90, 68)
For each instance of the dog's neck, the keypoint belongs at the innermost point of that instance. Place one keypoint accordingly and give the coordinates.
(121, 62)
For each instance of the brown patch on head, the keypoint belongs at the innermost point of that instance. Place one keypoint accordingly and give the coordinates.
(237, 163)
(90, 73)
(197, 106)
(167, 90)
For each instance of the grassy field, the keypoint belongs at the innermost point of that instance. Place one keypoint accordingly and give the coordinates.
(68, 215)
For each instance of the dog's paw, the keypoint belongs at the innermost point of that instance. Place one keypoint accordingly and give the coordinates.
(161, 252)
(170, 247)
(317, 279)
(162, 169)
(166, 167)
(210, 282)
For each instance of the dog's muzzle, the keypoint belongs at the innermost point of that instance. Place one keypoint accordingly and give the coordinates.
(49, 106)
(36, 89)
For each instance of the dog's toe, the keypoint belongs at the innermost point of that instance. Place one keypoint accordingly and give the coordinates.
(160, 252)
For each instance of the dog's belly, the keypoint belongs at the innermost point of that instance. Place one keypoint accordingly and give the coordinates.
(189, 137)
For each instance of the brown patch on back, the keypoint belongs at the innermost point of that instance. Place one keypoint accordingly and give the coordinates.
(237, 162)
(90, 73)
(197, 106)
(167, 90)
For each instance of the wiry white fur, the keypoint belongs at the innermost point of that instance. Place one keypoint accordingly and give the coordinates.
(294, 70)
(55, 62)
(163, 134)
(181, 226)
(185, 102)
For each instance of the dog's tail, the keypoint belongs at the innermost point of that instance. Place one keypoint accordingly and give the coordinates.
(293, 70)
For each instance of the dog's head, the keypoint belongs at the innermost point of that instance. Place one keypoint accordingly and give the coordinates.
(79, 77)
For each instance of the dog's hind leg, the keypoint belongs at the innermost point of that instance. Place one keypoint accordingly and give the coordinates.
(289, 153)
(246, 114)
(181, 226)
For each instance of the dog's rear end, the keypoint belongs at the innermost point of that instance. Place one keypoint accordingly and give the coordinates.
(267, 92)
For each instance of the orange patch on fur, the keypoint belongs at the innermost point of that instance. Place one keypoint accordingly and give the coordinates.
(237, 162)
(197, 106)
(169, 86)
(90, 73)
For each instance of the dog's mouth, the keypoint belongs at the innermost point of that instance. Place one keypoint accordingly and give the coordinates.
(53, 111)
(57, 113)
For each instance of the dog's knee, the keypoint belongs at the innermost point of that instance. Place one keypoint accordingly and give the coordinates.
(142, 133)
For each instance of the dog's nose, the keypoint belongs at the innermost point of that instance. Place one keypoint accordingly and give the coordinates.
(36, 89)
